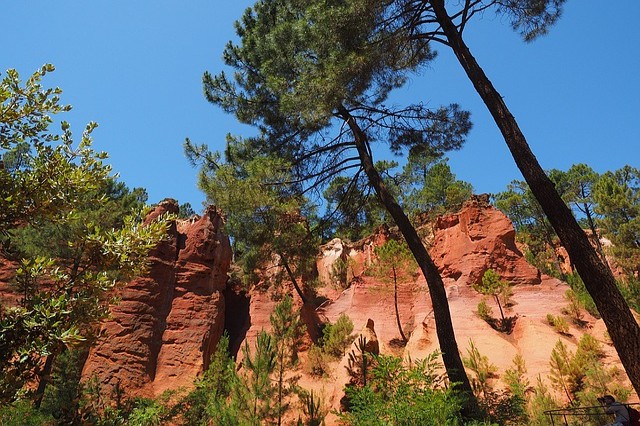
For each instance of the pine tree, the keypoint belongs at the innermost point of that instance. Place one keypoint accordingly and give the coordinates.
(256, 393)
(287, 331)
(394, 264)
(316, 94)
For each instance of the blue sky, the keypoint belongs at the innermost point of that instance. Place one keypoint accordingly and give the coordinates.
(136, 68)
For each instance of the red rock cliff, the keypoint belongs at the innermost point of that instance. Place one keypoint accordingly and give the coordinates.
(477, 238)
(167, 323)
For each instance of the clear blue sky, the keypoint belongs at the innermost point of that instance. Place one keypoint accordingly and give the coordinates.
(135, 67)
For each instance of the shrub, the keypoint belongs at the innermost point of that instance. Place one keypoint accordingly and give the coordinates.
(337, 337)
(574, 308)
(22, 413)
(583, 296)
(402, 394)
(313, 408)
(482, 368)
(558, 323)
(339, 273)
(317, 362)
(484, 311)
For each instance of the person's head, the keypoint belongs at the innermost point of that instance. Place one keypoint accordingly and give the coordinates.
(607, 400)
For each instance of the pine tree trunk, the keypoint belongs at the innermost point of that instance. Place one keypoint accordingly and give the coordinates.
(442, 316)
(596, 275)
(395, 302)
(293, 279)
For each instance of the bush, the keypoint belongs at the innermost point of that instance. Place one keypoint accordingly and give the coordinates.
(484, 311)
(403, 394)
(337, 337)
(22, 413)
(317, 362)
(574, 308)
(558, 323)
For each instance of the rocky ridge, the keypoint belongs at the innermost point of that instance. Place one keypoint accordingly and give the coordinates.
(168, 322)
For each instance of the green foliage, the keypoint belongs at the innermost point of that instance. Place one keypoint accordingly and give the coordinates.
(432, 186)
(630, 289)
(492, 285)
(210, 400)
(482, 369)
(287, 330)
(313, 409)
(581, 376)
(185, 211)
(337, 337)
(618, 202)
(255, 392)
(484, 311)
(72, 227)
(149, 412)
(266, 216)
(397, 265)
(353, 209)
(403, 394)
(22, 413)
(574, 308)
(340, 272)
(359, 363)
(62, 396)
(541, 401)
(558, 323)
(583, 296)
(504, 408)
(515, 378)
(317, 361)
(532, 226)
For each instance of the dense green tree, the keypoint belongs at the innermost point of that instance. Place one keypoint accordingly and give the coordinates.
(52, 194)
(309, 78)
(617, 195)
(433, 187)
(265, 215)
(579, 182)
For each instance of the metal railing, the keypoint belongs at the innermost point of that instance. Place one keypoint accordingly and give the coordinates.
(583, 416)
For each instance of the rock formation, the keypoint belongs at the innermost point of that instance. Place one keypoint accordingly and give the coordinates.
(161, 334)
(478, 238)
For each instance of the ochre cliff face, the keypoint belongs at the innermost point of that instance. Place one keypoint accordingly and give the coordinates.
(478, 238)
(464, 245)
(168, 322)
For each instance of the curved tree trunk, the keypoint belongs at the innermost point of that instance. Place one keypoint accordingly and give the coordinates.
(598, 279)
(444, 327)
(294, 281)
(395, 303)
